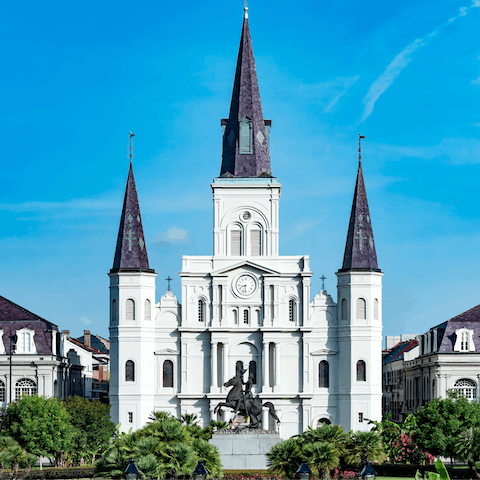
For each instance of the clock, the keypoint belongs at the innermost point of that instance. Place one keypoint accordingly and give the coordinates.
(246, 285)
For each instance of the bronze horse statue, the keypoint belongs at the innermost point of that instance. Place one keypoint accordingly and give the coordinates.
(243, 402)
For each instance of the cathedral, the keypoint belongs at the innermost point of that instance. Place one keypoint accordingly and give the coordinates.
(246, 305)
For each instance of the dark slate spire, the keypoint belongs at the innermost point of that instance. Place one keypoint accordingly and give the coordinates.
(249, 157)
(360, 251)
(131, 252)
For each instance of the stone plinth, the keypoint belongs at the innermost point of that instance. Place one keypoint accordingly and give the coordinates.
(244, 449)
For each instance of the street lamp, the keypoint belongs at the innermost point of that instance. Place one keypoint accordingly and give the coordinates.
(200, 472)
(131, 472)
(304, 471)
(368, 472)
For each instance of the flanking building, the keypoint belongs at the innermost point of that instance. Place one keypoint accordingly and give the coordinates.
(315, 360)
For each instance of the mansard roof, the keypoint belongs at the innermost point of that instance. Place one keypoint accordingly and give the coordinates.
(131, 251)
(245, 105)
(11, 312)
(360, 251)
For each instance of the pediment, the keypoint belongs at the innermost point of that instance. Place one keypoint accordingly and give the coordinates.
(243, 264)
(323, 351)
(167, 351)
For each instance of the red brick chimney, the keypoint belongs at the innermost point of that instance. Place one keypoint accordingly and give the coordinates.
(87, 338)
(66, 332)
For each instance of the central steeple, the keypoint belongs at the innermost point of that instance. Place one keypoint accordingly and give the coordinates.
(245, 136)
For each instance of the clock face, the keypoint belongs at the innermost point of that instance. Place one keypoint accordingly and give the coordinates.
(246, 285)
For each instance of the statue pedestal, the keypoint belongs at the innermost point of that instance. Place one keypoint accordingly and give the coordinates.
(244, 449)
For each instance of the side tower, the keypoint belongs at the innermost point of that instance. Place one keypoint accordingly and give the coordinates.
(132, 301)
(359, 286)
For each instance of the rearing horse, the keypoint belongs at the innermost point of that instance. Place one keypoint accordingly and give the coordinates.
(233, 396)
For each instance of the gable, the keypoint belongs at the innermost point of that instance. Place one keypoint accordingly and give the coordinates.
(243, 264)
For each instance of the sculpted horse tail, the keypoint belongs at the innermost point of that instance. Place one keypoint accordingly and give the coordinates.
(271, 409)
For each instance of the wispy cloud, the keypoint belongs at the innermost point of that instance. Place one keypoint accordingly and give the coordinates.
(173, 235)
(329, 92)
(476, 81)
(456, 151)
(393, 70)
(86, 321)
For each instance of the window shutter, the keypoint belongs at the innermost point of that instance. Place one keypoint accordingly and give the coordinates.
(361, 309)
(130, 313)
(236, 242)
(255, 242)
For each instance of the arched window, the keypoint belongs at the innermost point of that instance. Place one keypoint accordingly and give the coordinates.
(361, 371)
(236, 241)
(168, 374)
(245, 316)
(252, 371)
(201, 311)
(129, 371)
(375, 309)
(148, 310)
(25, 387)
(2, 391)
(466, 388)
(238, 368)
(344, 309)
(323, 421)
(114, 311)
(130, 309)
(323, 374)
(255, 241)
(245, 136)
(361, 309)
(291, 310)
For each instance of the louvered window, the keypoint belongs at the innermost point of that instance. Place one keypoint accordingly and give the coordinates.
(129, 371)
(245, 316)
(344, 309)
(375, 309)
(361, 309)
(236, 245)
(130, 309)
(148, 310)
(245, 137)
(256, 242)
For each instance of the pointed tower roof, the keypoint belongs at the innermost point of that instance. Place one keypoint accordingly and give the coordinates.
(360, 251)
(246, 108)
(131, 252)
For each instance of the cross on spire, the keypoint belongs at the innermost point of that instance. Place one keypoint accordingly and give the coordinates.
(360, 236)
(130, 146)
(168, 279)
(360, 137)
(323, 278)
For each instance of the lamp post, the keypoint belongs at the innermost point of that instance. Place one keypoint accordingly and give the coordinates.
(368, 472)
(304, 472)
(131, 472)
(200, 472)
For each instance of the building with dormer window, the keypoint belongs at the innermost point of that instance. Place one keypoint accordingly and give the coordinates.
(246, 305)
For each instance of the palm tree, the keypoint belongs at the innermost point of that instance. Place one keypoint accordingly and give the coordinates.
(367, 445)
(159, 416)
(467, 447)
(189, 419)
(323, 456)
(210, 455)
(284, 458)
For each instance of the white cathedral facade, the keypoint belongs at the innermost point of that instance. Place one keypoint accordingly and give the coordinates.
(316, 361)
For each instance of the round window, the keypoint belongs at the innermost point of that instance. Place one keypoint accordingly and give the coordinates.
(246, 216)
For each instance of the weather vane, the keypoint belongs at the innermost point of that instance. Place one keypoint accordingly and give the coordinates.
(360, 136)
(130, 147)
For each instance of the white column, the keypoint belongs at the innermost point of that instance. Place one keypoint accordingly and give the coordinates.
(214, 374)
(225, 365)
(276, 362)
(266, 368)
(265, 415)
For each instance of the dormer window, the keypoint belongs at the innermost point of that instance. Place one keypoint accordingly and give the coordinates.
(464, 340)
(25, 343)
(245, 136)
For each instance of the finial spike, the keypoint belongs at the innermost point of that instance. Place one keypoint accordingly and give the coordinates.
(130, 147)
(245, 8)
(360, 136)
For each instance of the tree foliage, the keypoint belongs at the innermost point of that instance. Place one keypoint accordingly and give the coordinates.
(40, 425)
(92, 426)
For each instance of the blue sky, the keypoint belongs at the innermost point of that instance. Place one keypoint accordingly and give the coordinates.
(77, 77)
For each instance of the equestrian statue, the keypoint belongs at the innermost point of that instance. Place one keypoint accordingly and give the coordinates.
(242, 402)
